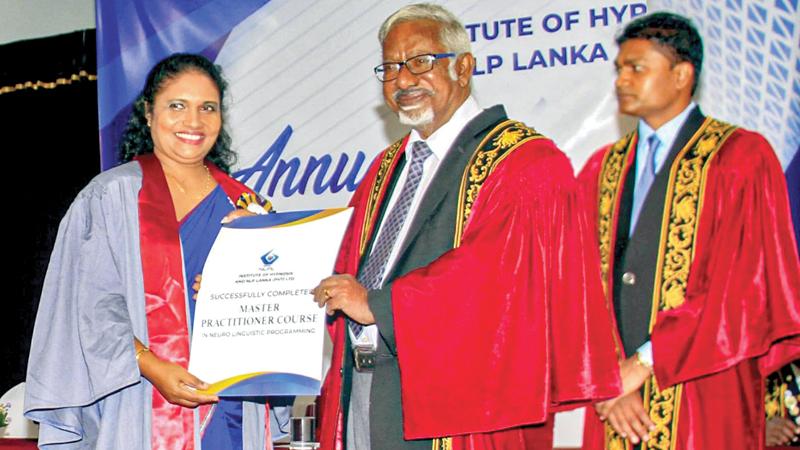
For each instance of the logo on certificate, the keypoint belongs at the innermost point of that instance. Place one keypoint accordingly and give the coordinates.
(269, 258)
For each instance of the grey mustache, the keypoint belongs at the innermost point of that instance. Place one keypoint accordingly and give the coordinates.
(410, 91)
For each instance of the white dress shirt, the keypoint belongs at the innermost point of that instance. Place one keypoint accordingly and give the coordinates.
(666, 133)
(439, 142)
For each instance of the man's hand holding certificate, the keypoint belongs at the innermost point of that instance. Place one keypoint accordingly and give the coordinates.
(257, 330)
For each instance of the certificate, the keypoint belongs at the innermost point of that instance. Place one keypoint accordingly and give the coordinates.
(257, 330)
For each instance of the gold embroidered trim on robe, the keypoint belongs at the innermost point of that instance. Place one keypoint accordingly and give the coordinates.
(682, 206)
(378, 188)
(612, 178)
(442, 444)
(782, 393)
(773, 399)
(609, 194)
(494, 148)
(499, 143)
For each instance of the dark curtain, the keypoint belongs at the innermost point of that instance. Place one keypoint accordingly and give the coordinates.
(48, 112)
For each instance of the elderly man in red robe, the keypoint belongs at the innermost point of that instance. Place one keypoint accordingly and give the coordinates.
(469, 306)
(698, 257)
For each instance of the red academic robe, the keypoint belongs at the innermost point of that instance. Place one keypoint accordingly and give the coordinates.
(172, 426)
(740, 318)
(515, 311)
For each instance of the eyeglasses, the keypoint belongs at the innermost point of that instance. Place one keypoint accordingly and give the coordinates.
(417, 65)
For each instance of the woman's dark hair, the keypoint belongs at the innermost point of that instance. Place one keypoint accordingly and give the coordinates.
(136, 140)
(671, 32)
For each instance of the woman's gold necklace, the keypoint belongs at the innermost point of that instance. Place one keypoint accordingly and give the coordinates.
(207, 186)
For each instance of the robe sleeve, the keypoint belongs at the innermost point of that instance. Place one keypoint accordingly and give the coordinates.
(82, 347)
(511, 325)
(743, 295)
(588, 180)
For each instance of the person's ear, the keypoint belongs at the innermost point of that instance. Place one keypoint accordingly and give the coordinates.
(465, 65)
(684, 75)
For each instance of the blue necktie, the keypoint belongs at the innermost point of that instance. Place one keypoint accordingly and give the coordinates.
(645, 181)
(371, 275)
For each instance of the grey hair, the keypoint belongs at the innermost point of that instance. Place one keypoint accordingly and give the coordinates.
(452, 35)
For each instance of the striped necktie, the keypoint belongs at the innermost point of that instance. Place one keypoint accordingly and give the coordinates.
(371, 275)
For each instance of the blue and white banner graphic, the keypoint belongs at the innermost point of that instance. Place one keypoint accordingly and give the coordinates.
(307, 114)
(751, 71)
(133, 35)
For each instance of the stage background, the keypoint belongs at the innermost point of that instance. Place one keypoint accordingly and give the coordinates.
(304, 95)
(307, 114)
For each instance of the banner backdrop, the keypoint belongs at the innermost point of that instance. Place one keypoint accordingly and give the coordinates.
(132, 35)
(306, 111)
(307, 115)
(751, 72)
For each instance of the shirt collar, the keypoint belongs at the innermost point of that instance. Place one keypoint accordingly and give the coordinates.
(666, 133)
(442, 139)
